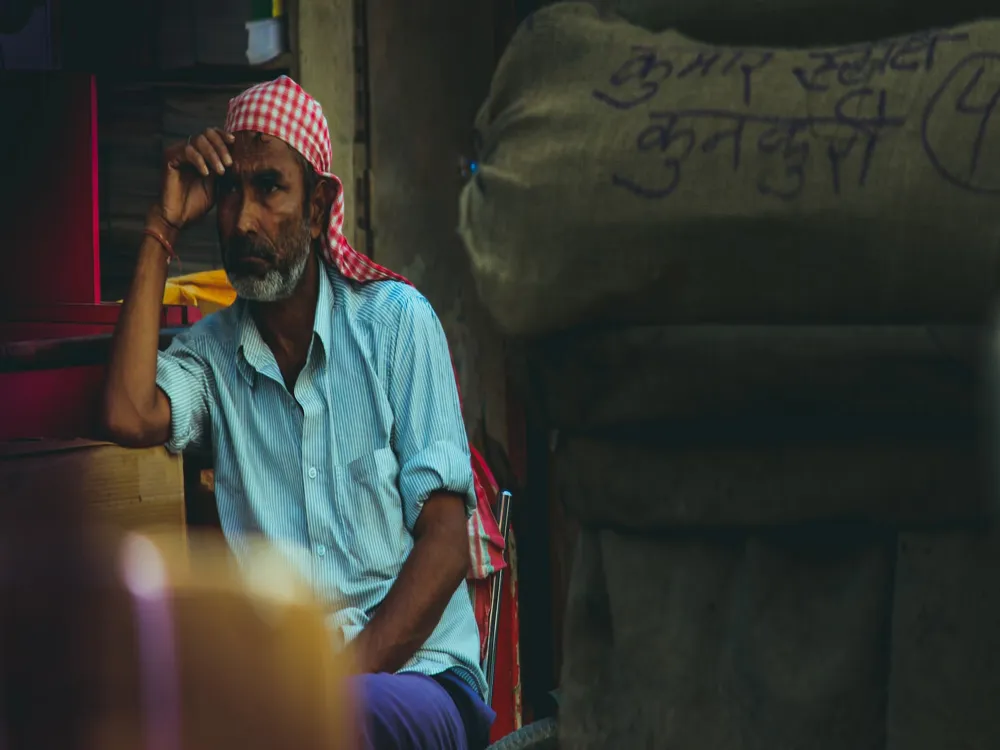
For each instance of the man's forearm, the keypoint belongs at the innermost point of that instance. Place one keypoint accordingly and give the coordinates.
(435, 568)
(130, 394)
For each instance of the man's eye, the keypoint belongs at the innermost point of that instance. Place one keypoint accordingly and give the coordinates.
(269, 186)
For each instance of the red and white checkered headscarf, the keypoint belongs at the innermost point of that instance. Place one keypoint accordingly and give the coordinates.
(281, 108)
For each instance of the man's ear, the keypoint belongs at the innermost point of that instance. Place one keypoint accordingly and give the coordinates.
(324, 195)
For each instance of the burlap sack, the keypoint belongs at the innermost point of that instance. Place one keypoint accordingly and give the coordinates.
(664, 14)
(795, 22)
(647, 177)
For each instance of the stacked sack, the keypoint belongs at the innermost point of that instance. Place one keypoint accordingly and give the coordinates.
(653, 178)
(794, 22)
(754, 280)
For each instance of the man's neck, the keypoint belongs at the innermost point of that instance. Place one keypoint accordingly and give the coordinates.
(287, 325)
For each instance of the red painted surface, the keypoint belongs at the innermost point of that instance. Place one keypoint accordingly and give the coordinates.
(510, 623)
(507, 671)
(50, 287)
(105, 313)
(507, 677)
(50, 403)
(13, 332)
(60, 403)
(507, 700)
(48, 141)
(65, 321)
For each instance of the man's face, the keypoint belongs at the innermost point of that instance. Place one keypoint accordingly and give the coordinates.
(264, 218)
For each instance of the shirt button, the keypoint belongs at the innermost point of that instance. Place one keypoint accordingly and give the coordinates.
(312, 472)
(321, 550)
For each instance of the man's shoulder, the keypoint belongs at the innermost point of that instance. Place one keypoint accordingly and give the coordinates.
(214, 334)
(383, 303)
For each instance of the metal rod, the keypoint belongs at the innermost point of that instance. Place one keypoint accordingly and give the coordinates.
(496, 591)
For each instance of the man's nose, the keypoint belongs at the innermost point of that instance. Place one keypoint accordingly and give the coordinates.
(247, 216)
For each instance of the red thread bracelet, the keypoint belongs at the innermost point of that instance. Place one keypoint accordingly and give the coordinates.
(163, 242)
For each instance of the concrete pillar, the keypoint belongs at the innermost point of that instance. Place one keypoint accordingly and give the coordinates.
(323, 40)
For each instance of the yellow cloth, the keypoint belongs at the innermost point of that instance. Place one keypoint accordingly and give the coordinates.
(208, 291)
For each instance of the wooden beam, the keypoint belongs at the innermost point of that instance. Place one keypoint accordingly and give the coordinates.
(50, 354)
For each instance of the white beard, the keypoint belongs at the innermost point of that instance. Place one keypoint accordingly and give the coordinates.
(274, 285)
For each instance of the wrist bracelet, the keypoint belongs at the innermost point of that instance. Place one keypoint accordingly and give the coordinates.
(171, 255)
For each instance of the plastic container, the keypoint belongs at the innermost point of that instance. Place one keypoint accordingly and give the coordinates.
(265, 40)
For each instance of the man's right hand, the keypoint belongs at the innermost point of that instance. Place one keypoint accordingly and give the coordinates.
(189, 176)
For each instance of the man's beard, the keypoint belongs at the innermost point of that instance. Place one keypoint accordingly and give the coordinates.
(285, 269)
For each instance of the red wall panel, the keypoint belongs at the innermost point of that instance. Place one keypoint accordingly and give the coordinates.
(48, 145)
(52, 404)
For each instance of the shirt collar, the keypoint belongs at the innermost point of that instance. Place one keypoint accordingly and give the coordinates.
(253, 354)
(325, 303)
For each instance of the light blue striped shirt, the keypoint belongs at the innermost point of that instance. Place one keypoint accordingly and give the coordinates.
(340, 470)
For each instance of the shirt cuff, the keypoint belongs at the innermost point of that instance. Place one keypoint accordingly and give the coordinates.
(175, 381)
(440, 467)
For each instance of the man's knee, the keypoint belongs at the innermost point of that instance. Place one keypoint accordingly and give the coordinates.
(407, 712)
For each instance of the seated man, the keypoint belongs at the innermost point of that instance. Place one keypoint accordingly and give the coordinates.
(327, 396)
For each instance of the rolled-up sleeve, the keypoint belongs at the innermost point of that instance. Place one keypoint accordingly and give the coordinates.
(184, 376)
(429, 436)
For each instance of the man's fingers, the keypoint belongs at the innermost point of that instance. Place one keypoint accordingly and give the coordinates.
(208, 153)
(218, 140)
(193, 157)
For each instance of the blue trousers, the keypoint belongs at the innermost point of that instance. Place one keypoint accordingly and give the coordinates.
(415, 712)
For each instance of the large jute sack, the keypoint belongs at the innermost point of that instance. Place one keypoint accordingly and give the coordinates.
(629, 176)
(795, 21)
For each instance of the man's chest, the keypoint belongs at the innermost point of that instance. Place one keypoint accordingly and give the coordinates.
(323, 421)
(315, 467)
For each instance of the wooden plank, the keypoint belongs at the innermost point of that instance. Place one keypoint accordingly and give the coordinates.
(79, 351)
(128, 488)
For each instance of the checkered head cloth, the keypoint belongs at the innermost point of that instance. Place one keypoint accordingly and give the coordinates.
(282, 109)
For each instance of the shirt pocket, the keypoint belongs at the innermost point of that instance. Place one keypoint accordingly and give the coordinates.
(372, 512)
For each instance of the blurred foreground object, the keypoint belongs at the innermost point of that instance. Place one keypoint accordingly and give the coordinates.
(648, 178)
(119, 642)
